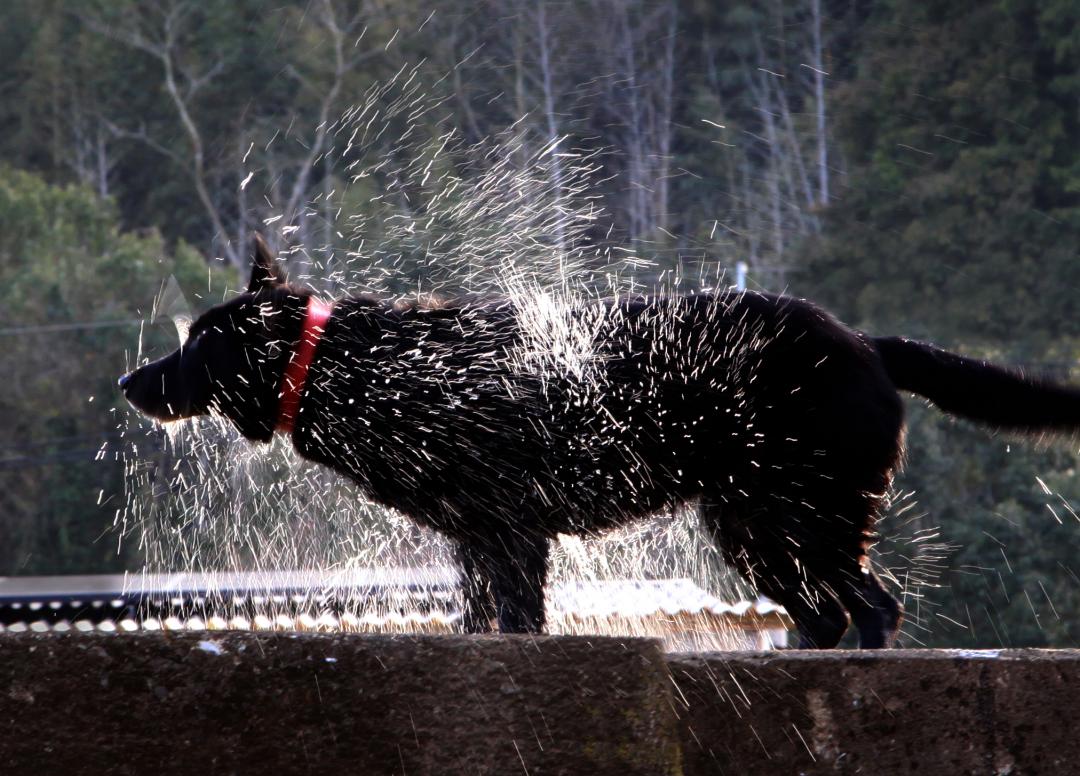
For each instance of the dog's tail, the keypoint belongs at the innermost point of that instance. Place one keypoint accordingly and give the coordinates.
(1000, 397)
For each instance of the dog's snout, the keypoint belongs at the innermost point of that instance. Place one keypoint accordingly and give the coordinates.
(124, 380)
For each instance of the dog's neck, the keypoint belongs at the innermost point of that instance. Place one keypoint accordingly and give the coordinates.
(292, 381)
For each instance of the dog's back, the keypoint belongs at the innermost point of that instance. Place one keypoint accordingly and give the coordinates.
(640, 403)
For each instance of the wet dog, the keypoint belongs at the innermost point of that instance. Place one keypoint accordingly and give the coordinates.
(503, 423)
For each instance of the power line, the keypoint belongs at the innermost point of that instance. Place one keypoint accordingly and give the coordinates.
(25, 454)
(24, 445)
(85, 455)
(51, 327)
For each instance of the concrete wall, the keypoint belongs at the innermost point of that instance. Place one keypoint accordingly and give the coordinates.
(308, 703)
(210, 703)
(925, 712)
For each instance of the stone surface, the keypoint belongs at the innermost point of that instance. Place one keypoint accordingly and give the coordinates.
(231, 703)
(890, 712)
(234, 703)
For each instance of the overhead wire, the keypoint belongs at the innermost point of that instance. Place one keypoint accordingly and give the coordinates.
(73, 326)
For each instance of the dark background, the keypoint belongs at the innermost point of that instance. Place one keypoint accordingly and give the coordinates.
(926, 184)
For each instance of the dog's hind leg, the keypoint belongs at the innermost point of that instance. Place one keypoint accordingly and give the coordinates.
(841, 531)
(875, 612)
(477, 603)
(747, 542)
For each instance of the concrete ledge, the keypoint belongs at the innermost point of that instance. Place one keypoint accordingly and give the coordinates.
(892, 712)
(261, 703)
(232, 703)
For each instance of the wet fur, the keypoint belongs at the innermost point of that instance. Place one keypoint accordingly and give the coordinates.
(783, 424)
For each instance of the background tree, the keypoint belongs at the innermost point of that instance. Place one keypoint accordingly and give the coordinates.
(69, 320)
(957, 221)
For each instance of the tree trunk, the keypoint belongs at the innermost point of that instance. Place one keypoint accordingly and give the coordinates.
(819, 101)
(547, 85)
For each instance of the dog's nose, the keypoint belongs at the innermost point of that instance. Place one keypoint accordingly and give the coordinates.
(124, 380)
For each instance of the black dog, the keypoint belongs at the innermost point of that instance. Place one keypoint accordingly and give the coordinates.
(502, 425)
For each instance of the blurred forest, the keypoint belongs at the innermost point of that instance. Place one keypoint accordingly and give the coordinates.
(912, 165)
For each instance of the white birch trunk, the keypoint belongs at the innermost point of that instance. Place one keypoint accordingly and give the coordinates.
(819, 100)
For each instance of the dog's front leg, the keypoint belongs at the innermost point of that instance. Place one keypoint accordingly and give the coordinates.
(477, 604)
(518, 574)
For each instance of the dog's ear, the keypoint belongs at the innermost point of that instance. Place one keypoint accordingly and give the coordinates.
(265, 271)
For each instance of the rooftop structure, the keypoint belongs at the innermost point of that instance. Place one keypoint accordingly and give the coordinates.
(393, 600)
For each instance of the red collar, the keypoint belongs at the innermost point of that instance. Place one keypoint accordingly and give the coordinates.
(292, 384)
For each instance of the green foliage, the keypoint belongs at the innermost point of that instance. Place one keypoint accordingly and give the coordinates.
(960, 214)
(958, 222)
(1007, 506)
(64, 263)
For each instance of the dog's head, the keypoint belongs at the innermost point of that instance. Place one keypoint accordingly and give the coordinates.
(233, 360)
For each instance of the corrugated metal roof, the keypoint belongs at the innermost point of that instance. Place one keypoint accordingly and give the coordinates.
(412, 622)
(637, 597)
(399, 600)
(223, 583)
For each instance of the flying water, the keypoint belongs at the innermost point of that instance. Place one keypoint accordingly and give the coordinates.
(411, 211)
